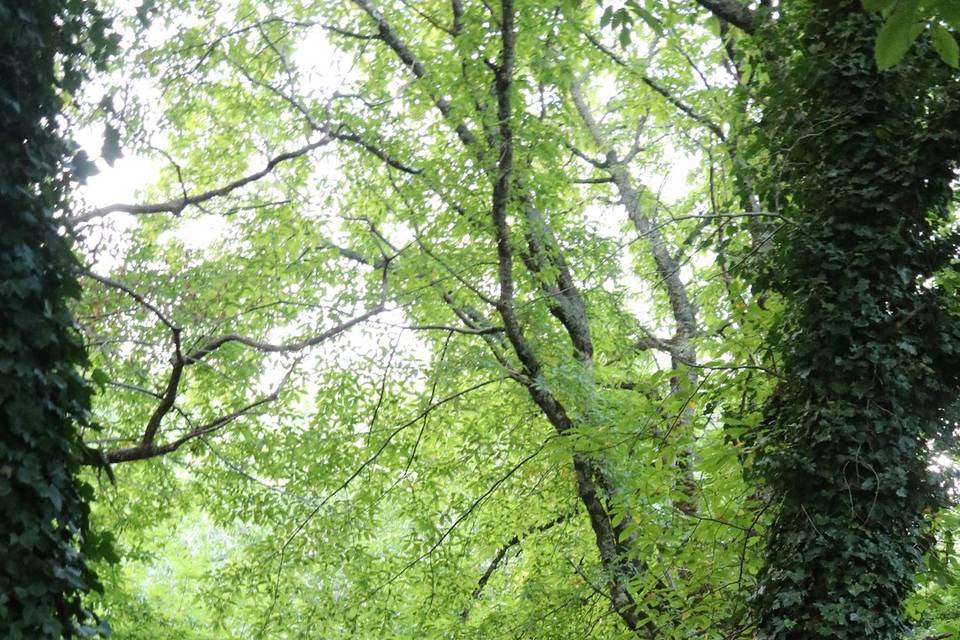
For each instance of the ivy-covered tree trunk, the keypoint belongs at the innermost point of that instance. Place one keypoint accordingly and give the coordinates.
(43, 398)
(861, 163)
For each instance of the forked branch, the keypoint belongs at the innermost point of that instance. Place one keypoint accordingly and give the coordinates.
(148, 446)
(149, 449)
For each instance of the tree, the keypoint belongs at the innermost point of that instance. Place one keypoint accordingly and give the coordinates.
(454, 359)
(44, 400)
(869, 331)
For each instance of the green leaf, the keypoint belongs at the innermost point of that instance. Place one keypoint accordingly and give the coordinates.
(897, 34)
(606, 17)
(946, 45)
(100, 377)
(652, 21)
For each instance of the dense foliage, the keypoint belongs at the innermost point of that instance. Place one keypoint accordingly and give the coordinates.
(862, 163)
(44, 401)
(421, 331)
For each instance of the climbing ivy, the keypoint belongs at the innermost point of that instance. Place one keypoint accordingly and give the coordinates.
(44, 536)
(861, 164)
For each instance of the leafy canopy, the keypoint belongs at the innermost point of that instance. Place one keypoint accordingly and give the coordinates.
(418, 334)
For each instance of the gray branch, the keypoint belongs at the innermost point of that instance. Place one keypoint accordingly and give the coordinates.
(177, 206)
(733, 12)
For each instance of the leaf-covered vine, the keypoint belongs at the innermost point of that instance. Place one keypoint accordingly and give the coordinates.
(862, 163)
(45, 46)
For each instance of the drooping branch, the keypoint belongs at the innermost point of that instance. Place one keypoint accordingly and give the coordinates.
(177, 206)
(469, 511)
(357, 472)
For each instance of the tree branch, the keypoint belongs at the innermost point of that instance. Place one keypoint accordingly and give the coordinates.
(733, 12)
(502, 553)
(148, 449)
(667, 267)
(682, 106)
(299, 345)
(456, 8)
(601, 180)
(461, 518)
(286, 347)
(114, 284)
(481, 331)
(169, 395)
(373, 150)
(351, 34)
(406, 55)
(588, 476)
(177, 206)
(339, 132)
(346, 483)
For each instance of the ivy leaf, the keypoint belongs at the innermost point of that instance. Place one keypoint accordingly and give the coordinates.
(897, 34)
(946, 45)
(83, 167)
(877, 5)
(111, 144)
